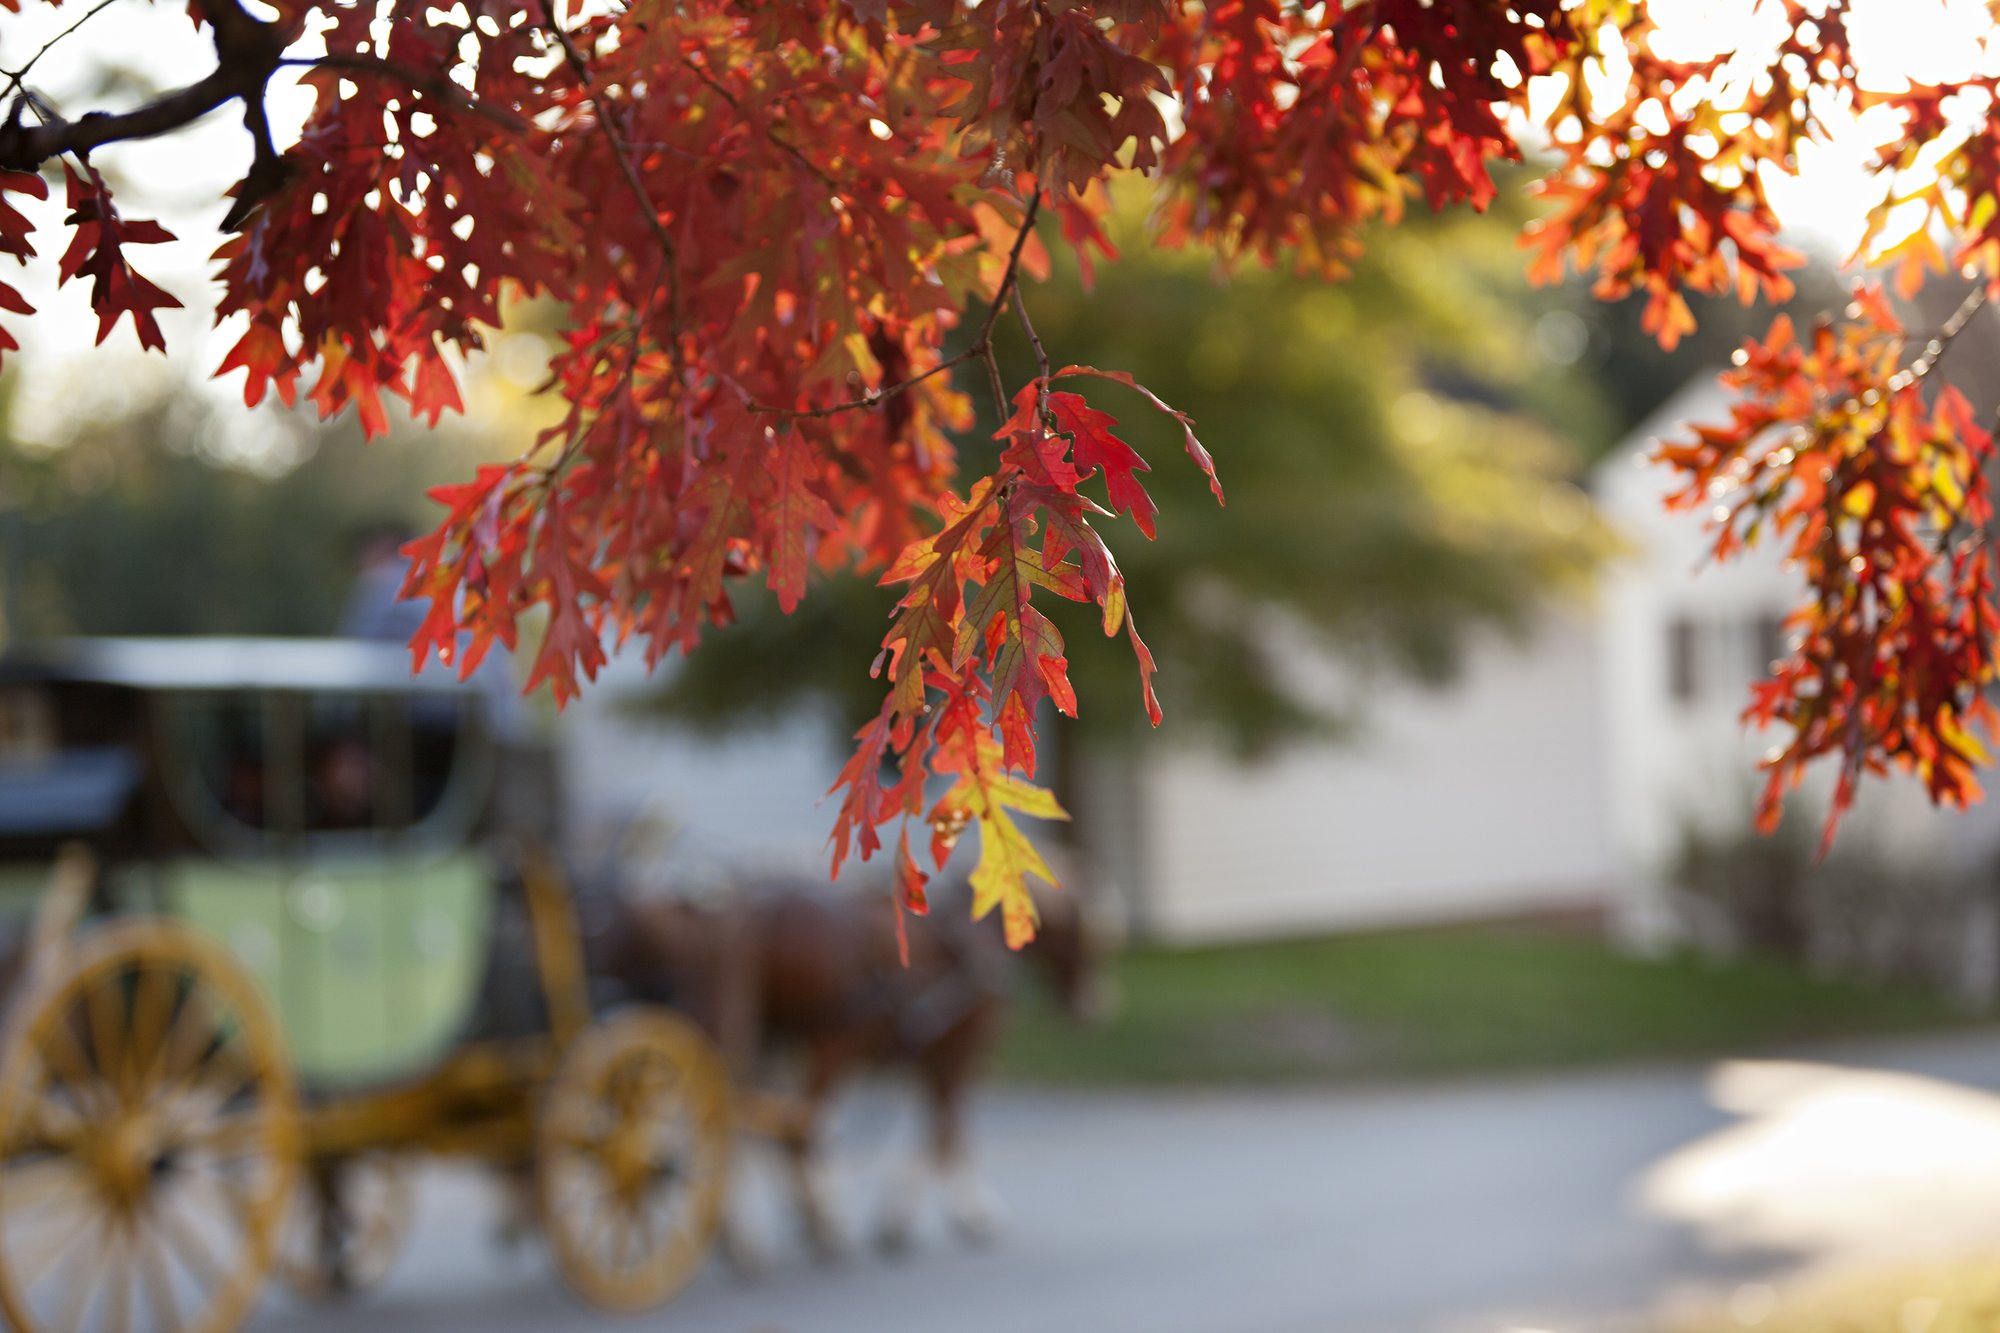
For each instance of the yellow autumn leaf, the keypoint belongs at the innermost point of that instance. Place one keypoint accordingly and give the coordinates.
(1944, 479)
(1860, 500)
(1961, 740)
(1006, 857)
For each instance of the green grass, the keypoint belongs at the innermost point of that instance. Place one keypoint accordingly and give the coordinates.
(1436, 1002)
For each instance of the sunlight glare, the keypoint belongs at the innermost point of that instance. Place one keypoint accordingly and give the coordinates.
(1836, 1164)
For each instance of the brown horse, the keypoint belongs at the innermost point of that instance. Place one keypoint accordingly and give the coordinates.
(818, 970)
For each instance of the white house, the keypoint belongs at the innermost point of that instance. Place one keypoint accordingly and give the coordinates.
(1556, 774)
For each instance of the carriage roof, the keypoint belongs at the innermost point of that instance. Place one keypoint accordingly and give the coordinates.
(78, 766)
(230, 664)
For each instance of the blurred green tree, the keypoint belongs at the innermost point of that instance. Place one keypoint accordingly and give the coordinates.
(1402, 448)
(135, 522)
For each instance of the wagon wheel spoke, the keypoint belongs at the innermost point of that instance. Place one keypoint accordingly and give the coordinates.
(33, 1185)
(182, 1027)
(240, 1205)
(117, 1269)
(624, 1238)
(234, 1079)
(55, 1126)
(630, 1236)
(157, 1278)
(653, 1092)
(643, 1228)
(75, 1306)
(154, 1003)
(247, 1132)
(187, 1246)
(598, 1225)
(53, 1244)
(581, 1143)
(583, 1184)
(60, 1051)
(104, 1011)
(196, 1040)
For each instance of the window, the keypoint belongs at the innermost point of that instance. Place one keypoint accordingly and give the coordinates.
(1683, 664)
(1768, 644)
(228, 756)
(27, 723)
(287, 763)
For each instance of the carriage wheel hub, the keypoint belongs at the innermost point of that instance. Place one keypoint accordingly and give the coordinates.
(629, 1160)
(124, 1157)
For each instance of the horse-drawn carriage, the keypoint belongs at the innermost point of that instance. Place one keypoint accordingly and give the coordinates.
(259, 955)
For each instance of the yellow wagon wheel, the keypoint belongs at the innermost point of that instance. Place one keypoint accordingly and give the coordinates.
(149, 1131)
(632, 1158)
(346, 1226)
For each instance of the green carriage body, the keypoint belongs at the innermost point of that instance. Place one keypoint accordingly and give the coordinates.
(312, 805)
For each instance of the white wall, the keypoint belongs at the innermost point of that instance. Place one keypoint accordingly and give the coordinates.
(1480, 799)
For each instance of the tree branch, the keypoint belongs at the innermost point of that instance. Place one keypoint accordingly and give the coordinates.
(1948, 333)
(25, 147)
(247, 50)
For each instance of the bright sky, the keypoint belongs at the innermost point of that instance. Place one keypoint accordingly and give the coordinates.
(183, 176)
(1896, 42)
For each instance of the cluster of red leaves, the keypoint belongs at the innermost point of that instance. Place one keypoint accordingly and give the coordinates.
(1834, 455)
(97, 241)
(98, 237)
(1664, 192)
(1939, 170)
(968, 652)
(15, 230)
(1304, 125)
(764, 224)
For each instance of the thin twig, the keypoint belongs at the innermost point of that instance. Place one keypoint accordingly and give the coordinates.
(873, 398)
(1920, 369)
(14, 77)
(993, 382)
(635, 333)
(1034, 339)
(770, 133)
(1042, 415)
(1947, 334)
(981, 345)
(581, 70)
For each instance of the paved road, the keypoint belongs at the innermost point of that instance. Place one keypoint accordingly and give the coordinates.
(1557, 1204)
